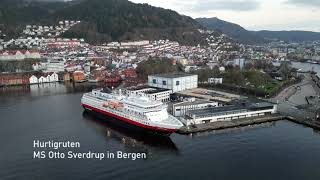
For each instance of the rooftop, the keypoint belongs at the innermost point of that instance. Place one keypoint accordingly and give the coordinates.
(173, 75)
(197, 102)
(156, 90)
(217, 111)
(260, 105)
(136, 88)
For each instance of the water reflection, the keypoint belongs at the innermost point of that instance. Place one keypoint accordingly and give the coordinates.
(316, 131)
(132, 140)
(35, 90)
(303, 66)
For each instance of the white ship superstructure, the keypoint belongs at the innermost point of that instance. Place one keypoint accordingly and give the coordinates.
(134, 110)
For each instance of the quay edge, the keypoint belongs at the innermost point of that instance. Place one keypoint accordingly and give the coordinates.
(230, 124)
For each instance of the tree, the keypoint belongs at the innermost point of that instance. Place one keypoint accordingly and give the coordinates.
(206, 73)
(285, 69)
(156, 65)
(234, 76)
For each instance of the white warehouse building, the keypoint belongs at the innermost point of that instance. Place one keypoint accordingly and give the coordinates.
(182, 108)
(229, 113)
(176, 82)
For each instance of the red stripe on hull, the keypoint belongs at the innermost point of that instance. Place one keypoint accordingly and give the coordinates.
(166, 130)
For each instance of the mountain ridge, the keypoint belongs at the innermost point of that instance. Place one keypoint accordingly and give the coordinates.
(231, 29)
(124, 20)
(103, 20)
(252, 37)
(117, 20)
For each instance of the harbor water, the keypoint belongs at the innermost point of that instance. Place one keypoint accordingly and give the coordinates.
(281, 150)
(303, 66)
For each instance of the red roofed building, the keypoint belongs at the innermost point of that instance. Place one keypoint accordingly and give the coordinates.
(14, 79)
(130, 73)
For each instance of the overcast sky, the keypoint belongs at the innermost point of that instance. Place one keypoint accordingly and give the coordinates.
(251, 14)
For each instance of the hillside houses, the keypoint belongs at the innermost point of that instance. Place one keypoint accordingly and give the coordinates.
(62, 43)
(49, 30)
(54, 66)
(8, 55)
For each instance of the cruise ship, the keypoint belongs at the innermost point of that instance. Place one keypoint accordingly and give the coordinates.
(136, 112)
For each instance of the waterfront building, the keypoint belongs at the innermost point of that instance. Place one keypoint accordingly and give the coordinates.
(8, 79)
(176, 81)
(44, 78)
(79, 76)
(228, 113)
(53, 77)
(66, 77)
(33, 80)
(181, 108)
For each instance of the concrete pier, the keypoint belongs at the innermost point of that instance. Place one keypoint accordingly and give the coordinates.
(230, 124)
(287, 110)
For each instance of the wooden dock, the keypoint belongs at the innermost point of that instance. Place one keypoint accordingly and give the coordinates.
(230, 124)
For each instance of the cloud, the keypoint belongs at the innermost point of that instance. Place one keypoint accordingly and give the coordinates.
(206, 5)
(232, 5)
(309, 3)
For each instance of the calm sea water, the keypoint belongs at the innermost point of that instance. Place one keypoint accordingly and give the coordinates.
(281, 150)
(304, 66)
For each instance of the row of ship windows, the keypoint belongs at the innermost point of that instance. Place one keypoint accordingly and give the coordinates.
(120, 114)
(133, 107)
(138, 113)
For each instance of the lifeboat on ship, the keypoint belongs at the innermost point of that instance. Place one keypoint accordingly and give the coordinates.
(114, 105)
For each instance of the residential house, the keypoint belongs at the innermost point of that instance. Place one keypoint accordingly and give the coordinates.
(79, 76)
(66, 77)
(54, 77)
(33, 79)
